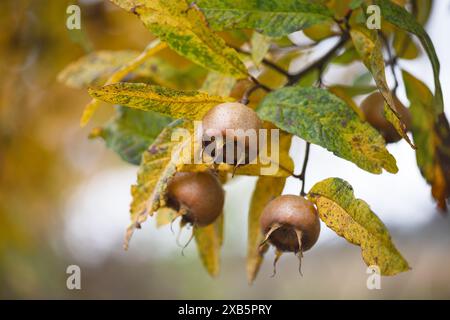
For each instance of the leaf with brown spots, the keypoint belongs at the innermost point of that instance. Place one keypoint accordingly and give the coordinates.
(353, 220)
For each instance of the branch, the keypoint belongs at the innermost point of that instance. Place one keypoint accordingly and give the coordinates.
(266, 62)
(320, 63)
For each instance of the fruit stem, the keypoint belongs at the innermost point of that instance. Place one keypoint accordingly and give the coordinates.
(246, 96)
(302, 175)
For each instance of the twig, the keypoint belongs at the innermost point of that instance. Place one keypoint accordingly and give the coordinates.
(392, 60)
(266, 62)
(320, 63)
(260, 85)
(246, 96)
(302, 175)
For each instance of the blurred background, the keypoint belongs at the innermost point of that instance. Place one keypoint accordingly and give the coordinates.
(64, 199)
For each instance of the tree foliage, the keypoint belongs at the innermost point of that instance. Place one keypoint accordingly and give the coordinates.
(156, 97)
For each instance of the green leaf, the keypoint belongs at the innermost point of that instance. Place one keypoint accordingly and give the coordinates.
(131, 132)
(432, 136)
(272, 18)
(368, 45)
(402, 19)
(321, 118)
(157, 167)
(266, 189)
(209, 241)
(184, 28)
(191, 105)
(353, 220)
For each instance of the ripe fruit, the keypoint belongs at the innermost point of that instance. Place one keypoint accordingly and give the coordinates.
(373, 108)
(226, 126)
(198, 196)
(290, 223)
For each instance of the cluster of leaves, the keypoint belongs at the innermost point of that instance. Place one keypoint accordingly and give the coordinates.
(240, 48)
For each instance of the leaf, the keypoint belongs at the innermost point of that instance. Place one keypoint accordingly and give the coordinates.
(218, 84)
(151, 49)
(273, 160)
(353, 220)
(402, 19)
(131, 132)
(209, 241)
(184, 28)
(272, 18)
(404, 46)
(260, 46)
(266, 189)
(94, 68)
(191, 105)
(432, 136)
(421, 9)
(158, 165)
(368, 45)
(165, 215)
(321, 118)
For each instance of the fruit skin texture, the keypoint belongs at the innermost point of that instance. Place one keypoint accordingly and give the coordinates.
(232, 116)
(292, 213)
(200, 193)
(373, 109)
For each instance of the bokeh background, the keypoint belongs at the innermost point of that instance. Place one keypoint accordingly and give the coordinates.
(64, 199)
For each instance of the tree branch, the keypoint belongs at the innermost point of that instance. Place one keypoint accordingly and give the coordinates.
(320, 63)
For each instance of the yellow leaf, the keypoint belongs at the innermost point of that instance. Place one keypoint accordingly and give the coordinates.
(184, 28)
(158, 166)
(353, 220)
(368, 45)
(153, 48)
(273, 160)
(209, 240)
(191, 105)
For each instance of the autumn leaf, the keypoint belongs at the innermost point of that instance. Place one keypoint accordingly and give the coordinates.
(95, 68)
(432, 136)
(272, 18)
(217, 84)
(131, 131)
(151, 49)
(157, 167)
(273, 160)
(209, 241)
(174, 103)
(404, 46)
(368, 45)
(353, 220)
(321, 118)
(184, 28)
(260, 46)
(401, 18)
